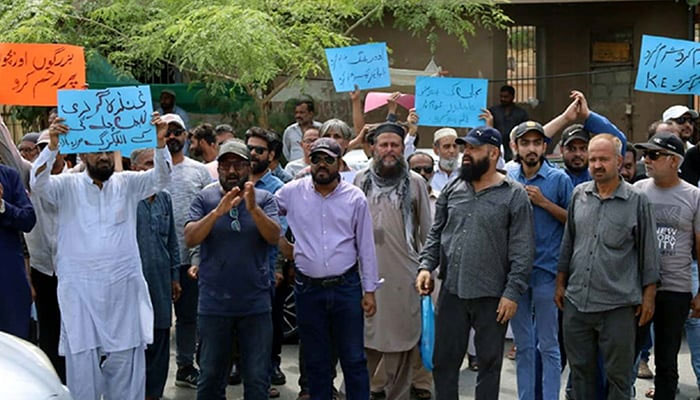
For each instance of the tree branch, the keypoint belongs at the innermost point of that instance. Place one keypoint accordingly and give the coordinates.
(363, 19)
(279, 88)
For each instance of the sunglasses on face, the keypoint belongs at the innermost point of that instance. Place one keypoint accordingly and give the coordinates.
(317, 158)
(257, 149)
(237, 165)
(427, 169)
(235, 224)
(683, 120)
(655, 154)
(175, 132)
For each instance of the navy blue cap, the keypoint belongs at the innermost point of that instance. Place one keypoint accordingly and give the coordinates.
(480, 136)
(326, 145)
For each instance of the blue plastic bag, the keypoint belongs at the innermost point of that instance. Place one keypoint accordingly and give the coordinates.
(427, 338)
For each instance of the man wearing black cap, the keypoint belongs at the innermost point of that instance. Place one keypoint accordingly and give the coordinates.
(482, 238)
(677, 213)
(549, 190)
(27, 146)
(400, 208)
(574, 151)
(334, 247)
(606, 274)
(232, 217)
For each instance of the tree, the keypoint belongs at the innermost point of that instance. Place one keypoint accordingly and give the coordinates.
(260, 45)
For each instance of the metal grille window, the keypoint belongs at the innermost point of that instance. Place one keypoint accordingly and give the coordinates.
(522, 61)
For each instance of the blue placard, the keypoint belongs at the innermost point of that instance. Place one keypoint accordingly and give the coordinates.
(668, 66)
(106, 119)
(455, 102)
(366, 66)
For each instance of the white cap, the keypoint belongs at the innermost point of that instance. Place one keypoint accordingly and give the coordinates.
(444, 132)
(677, 111)
(44, 137)
(173, 118)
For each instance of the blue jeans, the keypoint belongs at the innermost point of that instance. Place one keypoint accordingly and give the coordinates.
(216, 333)
(692, 330)
(538, 333)
(332, 317)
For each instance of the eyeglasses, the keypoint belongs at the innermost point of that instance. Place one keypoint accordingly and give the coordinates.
(235, 224)
(257, 149)
(318, 158)
(683, 120)
(237, 165)
(308, 141)
(175, 132)
(655, 154)
(428, 169)
(25, 150)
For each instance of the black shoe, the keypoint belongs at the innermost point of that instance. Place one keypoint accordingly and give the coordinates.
(187, 377)
(234, 377)
(277, 377)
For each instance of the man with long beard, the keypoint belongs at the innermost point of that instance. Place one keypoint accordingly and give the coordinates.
(106, 312)
(400, 208)
(482, 238)
(334, 247)
(228, 218)
(549, 190)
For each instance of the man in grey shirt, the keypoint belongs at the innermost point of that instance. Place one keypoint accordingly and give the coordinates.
(291, 138)
(607, 272)
(483, 238)
(677, 212)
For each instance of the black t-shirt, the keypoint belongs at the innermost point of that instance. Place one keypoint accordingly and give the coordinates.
(690, 168)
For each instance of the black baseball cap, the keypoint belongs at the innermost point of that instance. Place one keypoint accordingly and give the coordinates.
(481, 136)
(389, 127)
(528, 126)
(664, 141)
(326, 145)
(575, 131)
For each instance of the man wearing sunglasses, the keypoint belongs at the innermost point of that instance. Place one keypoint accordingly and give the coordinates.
(682, 119)
(234, 224)
(424, 165)
(189, 177)
(677, 212)
(334, 247)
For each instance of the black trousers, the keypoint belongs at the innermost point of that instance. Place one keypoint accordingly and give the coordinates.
(453, 320)
(277, 331)
(670, 313)
(49, 319)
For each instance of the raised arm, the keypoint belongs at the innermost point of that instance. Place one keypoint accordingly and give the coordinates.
(10, 155)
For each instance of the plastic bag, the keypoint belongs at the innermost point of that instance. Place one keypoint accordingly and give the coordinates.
(427, 338)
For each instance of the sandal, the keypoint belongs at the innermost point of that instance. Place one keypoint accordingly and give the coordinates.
(649, 394)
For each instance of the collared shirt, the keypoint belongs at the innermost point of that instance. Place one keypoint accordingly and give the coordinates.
(483, 240)
(609, 249)
(101, 291)
(281, 174)
(160, 255)
(234, 274)
(18, 216)
(440, 178)
(556, 186)
(335, 235)
(291, 141)
(578, 178)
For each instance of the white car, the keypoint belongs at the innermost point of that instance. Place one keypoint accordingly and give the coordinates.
(27, 374)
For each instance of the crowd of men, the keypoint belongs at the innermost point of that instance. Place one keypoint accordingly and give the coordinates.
(583, 260)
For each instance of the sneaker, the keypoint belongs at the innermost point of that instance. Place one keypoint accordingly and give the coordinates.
(234, 377)
(187, 377)
(277, 377)
(644, 371)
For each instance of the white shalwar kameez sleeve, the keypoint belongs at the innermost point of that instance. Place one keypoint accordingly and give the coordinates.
(106, 312)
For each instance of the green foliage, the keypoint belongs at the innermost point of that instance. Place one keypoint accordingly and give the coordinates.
(261, 45)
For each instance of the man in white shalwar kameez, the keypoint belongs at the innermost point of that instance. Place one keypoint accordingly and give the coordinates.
(107, 317)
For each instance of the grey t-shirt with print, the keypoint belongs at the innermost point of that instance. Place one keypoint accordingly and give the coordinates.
(677, 214)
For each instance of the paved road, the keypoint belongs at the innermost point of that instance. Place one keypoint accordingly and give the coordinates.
(688, 389)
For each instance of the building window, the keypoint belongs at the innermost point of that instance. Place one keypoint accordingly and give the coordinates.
(522, 62)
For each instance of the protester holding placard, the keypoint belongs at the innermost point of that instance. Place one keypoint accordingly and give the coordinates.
(106, 309)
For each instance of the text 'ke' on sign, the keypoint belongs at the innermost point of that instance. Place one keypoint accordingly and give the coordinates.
(106, 120)
(30, 74)
(455, 102)
(668, 66)
(366, 66)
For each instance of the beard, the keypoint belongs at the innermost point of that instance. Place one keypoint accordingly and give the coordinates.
(390, 167)
(326, 179)
(229, 182)
(197, 151)
(530, 162)
(100, 173)
(174, 146)
(449, 164)
(576, 170)
(474, 170)
(259, 166)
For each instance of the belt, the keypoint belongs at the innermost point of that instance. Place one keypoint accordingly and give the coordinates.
(328, 281)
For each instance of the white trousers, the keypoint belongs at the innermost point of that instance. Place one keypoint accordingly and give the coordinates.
(116, 376)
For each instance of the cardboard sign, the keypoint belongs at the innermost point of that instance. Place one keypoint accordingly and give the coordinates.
(366, 66)
(455, 102)
(106, 120)
(31, 74)
(668, 66)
